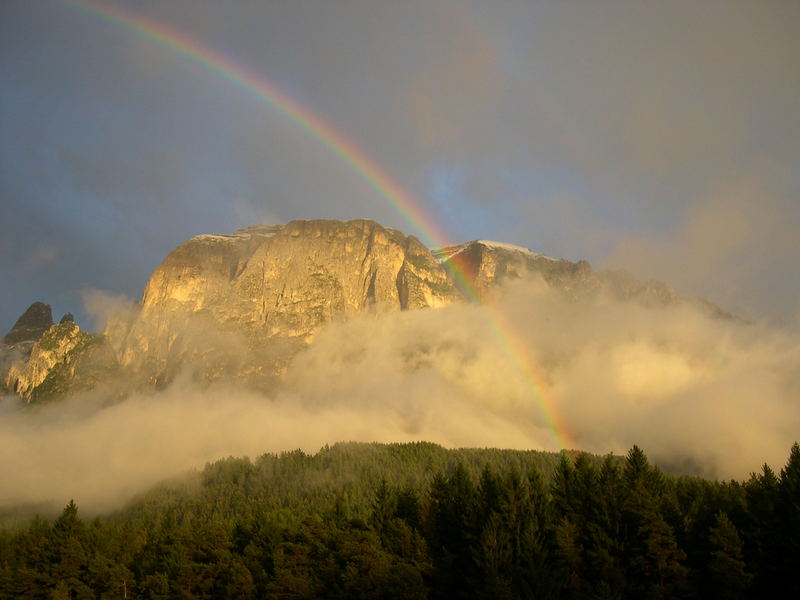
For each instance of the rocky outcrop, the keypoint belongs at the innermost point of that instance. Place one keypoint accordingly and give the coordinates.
(268, 289)
(52, 365)
(18, 343)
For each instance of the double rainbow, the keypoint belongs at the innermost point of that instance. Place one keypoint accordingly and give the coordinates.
(350, 155)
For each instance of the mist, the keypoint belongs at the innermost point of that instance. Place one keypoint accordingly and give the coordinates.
(709, 396)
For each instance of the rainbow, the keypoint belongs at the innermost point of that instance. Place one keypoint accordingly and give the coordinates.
(349, 154)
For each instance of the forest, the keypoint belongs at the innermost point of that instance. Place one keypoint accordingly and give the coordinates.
(416, 520)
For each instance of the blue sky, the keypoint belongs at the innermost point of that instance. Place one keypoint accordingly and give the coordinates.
(659, 137)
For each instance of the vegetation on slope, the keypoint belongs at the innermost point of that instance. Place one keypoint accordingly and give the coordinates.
(418, 521)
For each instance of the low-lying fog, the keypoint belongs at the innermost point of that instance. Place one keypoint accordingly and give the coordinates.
(716, 397)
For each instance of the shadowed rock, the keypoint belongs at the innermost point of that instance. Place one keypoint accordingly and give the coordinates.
(486, 265)
(31, 325)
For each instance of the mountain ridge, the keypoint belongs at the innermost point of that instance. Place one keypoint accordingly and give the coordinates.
(242, 305)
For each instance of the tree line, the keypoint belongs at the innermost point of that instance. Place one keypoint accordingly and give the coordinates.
(418, 521)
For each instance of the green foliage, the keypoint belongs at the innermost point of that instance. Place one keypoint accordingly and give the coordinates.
(418, 521)
(53, 336)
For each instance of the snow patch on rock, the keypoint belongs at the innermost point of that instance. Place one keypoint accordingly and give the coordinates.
(446, 253)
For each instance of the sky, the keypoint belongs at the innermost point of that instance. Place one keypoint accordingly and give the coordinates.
(663, 138)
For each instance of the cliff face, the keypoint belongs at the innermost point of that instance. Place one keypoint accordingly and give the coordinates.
(272, 287)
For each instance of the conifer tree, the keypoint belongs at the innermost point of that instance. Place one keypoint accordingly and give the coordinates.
(727, 570)
(655, 562)
(762, 527)
(452, 514)
(787, 513)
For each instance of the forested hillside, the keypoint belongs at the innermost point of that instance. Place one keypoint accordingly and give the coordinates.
(419, 521)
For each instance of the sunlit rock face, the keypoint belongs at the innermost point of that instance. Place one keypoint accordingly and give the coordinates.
(24, 377)
(242, 302)
(63, 359)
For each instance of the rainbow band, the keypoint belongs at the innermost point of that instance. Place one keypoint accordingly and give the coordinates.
(352, 156)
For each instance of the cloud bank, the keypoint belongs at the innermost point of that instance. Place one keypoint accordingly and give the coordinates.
(715, 396)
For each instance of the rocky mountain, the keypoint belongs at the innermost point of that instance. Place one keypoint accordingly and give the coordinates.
(243, 305)
(60, 361)
(247, 301)
(487, 265)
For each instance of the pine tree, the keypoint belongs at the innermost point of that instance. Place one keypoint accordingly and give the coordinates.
(655, 562)
(384, 506)
(569, 555)
(787, 512)
(761, 532)
(561, 486)
(68, 556)
(727, 571)
(538, 576)
(451, 527)
(604, 549)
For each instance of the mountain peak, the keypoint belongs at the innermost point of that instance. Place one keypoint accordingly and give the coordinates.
(276, 284)
(31, 325)
(448, 252)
